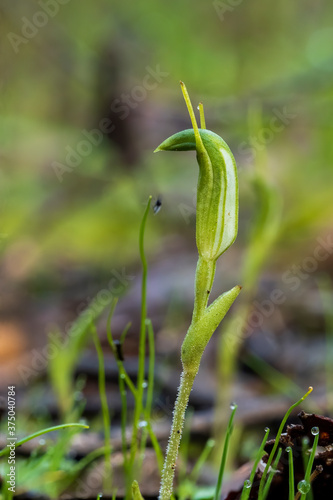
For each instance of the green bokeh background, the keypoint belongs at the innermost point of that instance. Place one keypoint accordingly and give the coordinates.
(231, 54)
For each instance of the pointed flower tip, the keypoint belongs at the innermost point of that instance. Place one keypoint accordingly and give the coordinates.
(157, 149)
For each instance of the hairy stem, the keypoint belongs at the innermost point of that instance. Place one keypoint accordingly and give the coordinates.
(185, 387)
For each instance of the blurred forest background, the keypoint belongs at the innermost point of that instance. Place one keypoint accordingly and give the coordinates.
(89, 90)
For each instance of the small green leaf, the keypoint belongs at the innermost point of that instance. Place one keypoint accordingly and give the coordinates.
(199, 333)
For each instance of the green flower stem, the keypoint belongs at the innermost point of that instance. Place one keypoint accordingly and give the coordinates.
(203, 283)
(185, 387)
(196, 339)
(216, 230)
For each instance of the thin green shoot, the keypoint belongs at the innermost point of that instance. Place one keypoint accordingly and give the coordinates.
(217, 495)
(150, 388)
(107, 481)
(305, 458)
(151, 370)
(315, 432)
(6, 450)
(99, 496)
(124, 332)
(85, 461)
(138, 410)
(289, 450)
(123, 380)
(123, 420)
(201, 460)
(123, 398)
(156, 446)
(271, 473)
(148, 429)
(202, 116)
(247, 487)
(122, 372)
(277, 440)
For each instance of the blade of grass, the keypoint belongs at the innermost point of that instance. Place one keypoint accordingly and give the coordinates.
(271, 473)
(138, 409)
(121, 369)
(305, 458)
(123, 420)
(202, 459)
(107, 479)
(224, 454)
(311, 459)
(246, 490)
(289, 450)
(149, 400)
(124, 332)
(6, 450)
(123, 378)
(277, 439)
